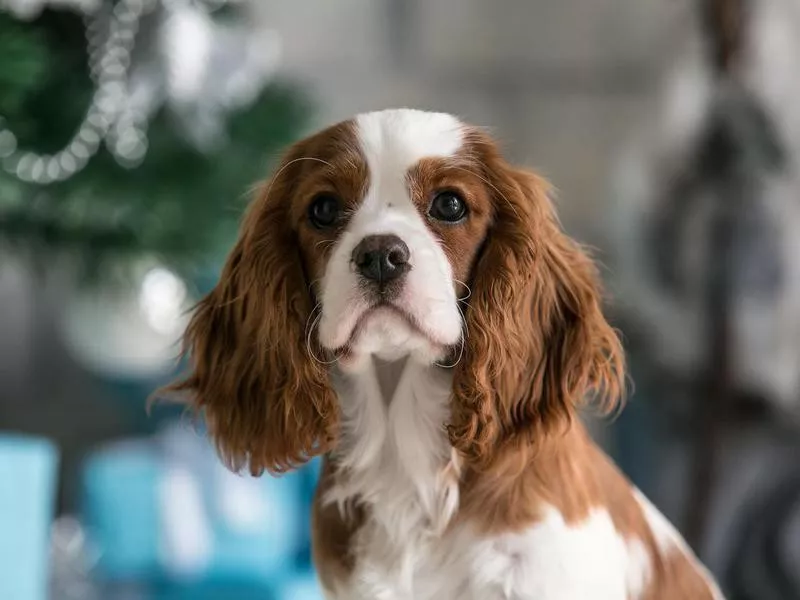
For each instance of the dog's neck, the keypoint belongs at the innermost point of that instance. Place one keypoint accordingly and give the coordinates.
(393, 453)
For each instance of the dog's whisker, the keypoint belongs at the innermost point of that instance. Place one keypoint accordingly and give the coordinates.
(467, 288)
(458, 358)
(465, 328)
(323, 242)
(310, 333)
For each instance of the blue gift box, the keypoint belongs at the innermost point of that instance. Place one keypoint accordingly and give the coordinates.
(28, 472)
(121, 511)
(302, 586)
(166, 509)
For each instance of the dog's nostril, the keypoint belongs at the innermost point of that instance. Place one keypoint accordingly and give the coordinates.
(398, 255)
(381, 258)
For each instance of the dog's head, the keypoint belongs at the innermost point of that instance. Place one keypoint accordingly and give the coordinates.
(398, 234)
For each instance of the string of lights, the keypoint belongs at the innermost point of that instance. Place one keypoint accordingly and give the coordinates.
(111, 34)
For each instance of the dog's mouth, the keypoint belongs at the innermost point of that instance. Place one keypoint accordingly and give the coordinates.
(392, 311)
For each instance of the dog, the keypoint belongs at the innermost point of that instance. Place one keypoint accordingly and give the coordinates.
(403, 302)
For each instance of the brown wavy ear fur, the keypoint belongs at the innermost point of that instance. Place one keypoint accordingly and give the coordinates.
(267, 403)
(537, 342)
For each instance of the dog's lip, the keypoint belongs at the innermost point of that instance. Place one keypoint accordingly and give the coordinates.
(390, 307)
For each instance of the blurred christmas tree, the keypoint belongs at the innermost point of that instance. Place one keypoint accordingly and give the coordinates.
(134, 127)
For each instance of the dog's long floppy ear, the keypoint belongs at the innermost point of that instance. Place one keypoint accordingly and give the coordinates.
(536, 340)
(268, 404)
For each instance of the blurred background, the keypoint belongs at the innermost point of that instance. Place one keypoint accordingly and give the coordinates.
(131, 132)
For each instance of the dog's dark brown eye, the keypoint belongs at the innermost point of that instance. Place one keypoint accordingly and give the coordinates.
(449, 207)
(324, 211)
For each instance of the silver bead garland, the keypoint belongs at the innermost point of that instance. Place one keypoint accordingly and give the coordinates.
(110, 42)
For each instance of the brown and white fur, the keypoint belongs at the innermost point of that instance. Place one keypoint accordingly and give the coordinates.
(444, 399)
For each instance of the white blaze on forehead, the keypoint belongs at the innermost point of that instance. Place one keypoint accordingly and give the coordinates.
(395, 140)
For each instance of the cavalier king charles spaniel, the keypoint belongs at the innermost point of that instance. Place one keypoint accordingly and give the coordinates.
(403, 302)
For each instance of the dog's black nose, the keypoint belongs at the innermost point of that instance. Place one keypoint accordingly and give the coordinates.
(381, 258)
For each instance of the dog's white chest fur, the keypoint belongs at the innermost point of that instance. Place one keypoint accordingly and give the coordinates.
(400, 464)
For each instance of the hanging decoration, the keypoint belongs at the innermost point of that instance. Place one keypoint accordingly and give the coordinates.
(127, 95)
(135, 127)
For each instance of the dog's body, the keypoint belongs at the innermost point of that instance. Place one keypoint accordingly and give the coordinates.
(400, 521)
(403, 302)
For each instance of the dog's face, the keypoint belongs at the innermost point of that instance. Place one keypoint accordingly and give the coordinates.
(390, 216)
(397, 234)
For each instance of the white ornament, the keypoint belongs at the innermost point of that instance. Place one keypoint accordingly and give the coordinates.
(131, 330)
(186, 39)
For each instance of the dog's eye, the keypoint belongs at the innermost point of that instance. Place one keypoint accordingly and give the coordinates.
(448, 206)
(324, 210)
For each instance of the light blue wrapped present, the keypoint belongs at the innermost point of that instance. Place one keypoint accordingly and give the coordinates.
(302, 586)
(28, 473)
(166, 509)
(120, 509)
